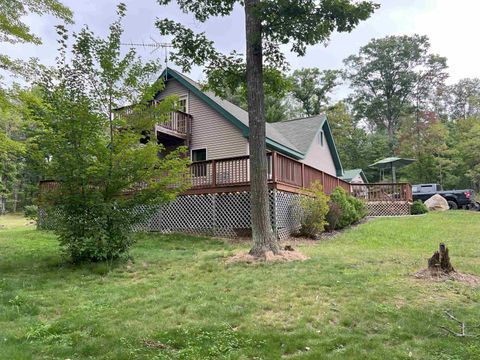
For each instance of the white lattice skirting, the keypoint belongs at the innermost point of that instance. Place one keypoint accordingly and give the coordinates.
(223, 214)
(388, 208)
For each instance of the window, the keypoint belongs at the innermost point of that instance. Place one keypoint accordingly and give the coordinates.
(199, 155)
(320, 138)
(183, 103)
(199, 169)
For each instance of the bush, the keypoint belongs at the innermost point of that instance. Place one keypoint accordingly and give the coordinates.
(344, 210)
(96, 232)
(314, 211)
(31, 212)
(418, 208)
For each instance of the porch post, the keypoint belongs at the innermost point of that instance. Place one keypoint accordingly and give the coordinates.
(214, 174)
(274, 166)
(303, 175)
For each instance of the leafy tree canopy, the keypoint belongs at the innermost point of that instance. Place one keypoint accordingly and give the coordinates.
(14, 30)
(388, 74)
(311, 88)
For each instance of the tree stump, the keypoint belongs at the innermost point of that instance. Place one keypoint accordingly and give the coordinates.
(440, 261)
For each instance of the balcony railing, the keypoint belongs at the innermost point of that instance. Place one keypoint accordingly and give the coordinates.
(179, 122)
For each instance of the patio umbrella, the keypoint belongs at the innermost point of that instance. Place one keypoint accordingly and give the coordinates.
(392, 163)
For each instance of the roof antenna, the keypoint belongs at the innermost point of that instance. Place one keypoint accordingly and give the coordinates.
(155, 45)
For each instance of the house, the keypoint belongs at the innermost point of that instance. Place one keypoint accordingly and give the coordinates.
(216, 133)
(354, 176)
(214, 129)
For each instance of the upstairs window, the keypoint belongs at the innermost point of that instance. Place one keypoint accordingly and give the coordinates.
(183, 104)
(320, 138)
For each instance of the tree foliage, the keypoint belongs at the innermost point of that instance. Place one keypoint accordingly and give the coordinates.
(277, 86)
(311, 88)
(12, 150)
(424, 138)
(94, 150)
(388, 75)
(14, 30)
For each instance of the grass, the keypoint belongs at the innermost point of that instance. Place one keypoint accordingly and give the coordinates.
(354, 298)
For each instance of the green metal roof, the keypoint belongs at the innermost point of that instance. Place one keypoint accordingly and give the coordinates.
(392, 161)
(349, 175)
(292, 138)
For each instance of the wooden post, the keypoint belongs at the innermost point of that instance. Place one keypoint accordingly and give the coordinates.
(303, 175)
(274, 167)
(214, 174)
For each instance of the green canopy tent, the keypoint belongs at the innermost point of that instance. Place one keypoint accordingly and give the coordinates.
(391, 163)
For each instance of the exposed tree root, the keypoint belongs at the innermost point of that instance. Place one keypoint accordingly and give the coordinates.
(289, 254)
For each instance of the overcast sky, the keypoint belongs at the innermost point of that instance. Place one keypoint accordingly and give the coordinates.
(450, 25)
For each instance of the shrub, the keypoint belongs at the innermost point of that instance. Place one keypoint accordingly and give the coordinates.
(360, 207)
(31, 212)
(314, 211)
(418, 208)
(344, 209)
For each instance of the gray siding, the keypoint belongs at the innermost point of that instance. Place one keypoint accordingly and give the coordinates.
(320, 157)
(209, 129)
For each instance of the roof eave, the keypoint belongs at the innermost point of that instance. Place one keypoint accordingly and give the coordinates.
(173, 74)
(332, 147)
(285, 150)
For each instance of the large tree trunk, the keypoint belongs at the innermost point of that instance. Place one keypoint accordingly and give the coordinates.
(262, 234)
(3, 198)
(391, 136)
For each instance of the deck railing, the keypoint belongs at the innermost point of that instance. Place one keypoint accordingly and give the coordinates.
(178, 122)
(290, 174)
(281, 170)
(383, 191)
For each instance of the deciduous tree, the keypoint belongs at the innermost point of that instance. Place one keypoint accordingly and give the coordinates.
(268, 24)
(387, 76)
(311, 88)
(93, 149)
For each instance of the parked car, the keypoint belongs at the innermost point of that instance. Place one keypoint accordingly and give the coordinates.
(456, 198)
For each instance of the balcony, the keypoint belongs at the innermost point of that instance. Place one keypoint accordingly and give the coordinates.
(178, 125)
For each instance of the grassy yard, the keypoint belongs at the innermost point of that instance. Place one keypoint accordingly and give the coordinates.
(354, 298)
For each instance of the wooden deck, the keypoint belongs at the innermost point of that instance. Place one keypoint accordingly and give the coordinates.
(392, 192)
(233, 174)
(286, 174)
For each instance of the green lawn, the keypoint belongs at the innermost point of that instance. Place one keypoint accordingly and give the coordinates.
(354, 298)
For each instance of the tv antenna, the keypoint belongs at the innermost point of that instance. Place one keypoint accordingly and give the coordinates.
(154, 45)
